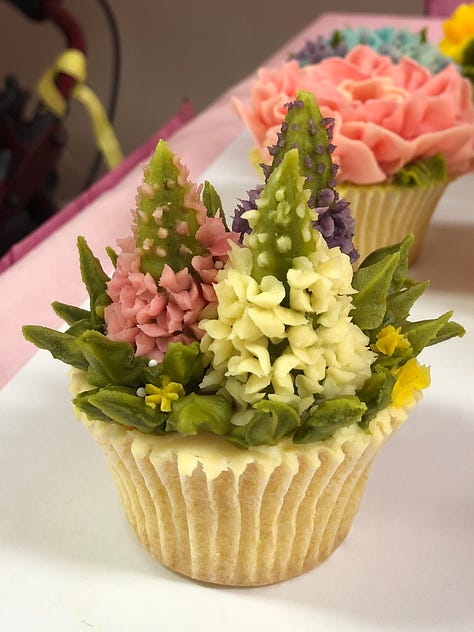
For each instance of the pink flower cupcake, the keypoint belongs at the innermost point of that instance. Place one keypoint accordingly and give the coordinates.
(401, 134)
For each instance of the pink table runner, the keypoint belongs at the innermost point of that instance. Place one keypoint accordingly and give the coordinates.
(49, 271)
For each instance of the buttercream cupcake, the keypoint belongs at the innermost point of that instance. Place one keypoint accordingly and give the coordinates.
(400, 134)
(241, 388)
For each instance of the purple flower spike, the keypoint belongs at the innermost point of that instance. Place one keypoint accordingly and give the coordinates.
(336, 225)
(239, 224)
(326, 197)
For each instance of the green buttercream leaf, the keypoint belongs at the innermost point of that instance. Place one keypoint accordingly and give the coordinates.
(468, 72)
(399, 277)
(393, 361)
(372, 283)
(468, 54)
(81, 326)
(112, 255)
(195, 413)
(213, 202)
(82, 403)
(450, 330)
(94, 279)
(376, 393)
(62, 346)
(328, 416)
(124, 407)
(422, 172)
(111, 362)
(422, 333)
(400, 303)
(271, 423)
(336, 38)
(182, 364)
(69, 313)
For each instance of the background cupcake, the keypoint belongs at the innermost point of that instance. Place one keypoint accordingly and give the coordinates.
(396, 43)
(401, 134)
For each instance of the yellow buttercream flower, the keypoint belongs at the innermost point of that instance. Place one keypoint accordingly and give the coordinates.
(411, 377)
(390, 340)
(458, 32)
(163, 396)
(318, 345)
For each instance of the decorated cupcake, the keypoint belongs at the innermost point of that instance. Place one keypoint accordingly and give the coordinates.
(240, 391)
(396, 43)
(400, 134)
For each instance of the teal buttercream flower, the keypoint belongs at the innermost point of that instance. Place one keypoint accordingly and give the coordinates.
(396, 43)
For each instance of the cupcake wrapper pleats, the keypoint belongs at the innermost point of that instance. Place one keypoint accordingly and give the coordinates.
(386, 214)
(248, 517)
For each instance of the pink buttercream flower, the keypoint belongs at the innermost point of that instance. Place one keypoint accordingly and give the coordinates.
(162, 286)
(386, 114)
(150, 314)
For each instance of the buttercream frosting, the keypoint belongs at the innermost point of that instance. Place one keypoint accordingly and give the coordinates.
(386, 114)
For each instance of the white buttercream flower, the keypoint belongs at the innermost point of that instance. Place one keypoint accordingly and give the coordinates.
(286, 341)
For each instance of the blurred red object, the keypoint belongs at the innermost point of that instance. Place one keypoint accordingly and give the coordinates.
(30, 148)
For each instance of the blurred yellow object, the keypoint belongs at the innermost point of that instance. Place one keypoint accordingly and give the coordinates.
(412, 377)
(458, 33)
(73, 62)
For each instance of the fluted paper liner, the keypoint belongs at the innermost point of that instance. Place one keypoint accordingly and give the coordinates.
(224, 515)
(385, 214)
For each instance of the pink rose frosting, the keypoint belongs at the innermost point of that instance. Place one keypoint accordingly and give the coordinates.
(386, 114)
(151, 312)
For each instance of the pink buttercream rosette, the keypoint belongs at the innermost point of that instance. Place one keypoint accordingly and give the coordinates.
(150, 314)
(386, 114)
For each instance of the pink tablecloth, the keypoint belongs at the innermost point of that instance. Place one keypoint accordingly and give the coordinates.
(50, 271)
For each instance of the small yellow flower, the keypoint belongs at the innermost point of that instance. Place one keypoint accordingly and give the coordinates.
(458, 32)
(390, 340)
(164, 395)
(411, 377)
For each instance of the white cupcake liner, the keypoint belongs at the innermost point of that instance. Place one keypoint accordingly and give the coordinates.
(219, 514)
(385, 214)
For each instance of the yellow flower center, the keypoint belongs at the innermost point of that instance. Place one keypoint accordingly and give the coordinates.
(163, 396)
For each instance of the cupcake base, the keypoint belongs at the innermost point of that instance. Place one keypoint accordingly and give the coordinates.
(222, 515)
(385, 214)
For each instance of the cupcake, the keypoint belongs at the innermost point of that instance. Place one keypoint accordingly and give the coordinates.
(401, 134)
(240, 388)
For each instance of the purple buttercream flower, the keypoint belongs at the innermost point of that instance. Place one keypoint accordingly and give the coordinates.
(316, 50)
(239, 224)
(334, 221)
(336, 224)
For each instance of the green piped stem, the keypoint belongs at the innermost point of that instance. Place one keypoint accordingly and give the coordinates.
(282, 225)
(163, 213)
(303, 129)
